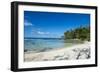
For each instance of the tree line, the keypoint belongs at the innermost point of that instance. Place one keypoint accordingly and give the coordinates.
(81, 33)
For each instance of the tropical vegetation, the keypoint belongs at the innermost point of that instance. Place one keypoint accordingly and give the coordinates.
(81, 33)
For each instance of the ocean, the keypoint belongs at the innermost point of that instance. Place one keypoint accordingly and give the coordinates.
(44, 44)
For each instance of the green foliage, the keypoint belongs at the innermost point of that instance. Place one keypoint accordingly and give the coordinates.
(82, 33)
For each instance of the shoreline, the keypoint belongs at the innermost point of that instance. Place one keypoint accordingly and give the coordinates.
(79, 51)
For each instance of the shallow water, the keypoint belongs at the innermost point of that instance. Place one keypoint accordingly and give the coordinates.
(41, 45)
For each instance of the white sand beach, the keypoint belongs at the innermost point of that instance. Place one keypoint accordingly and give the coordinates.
(80, 51)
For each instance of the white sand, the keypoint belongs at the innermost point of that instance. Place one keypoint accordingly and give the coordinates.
(80, 51)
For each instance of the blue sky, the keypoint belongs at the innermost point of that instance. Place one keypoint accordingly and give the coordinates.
(52, 24)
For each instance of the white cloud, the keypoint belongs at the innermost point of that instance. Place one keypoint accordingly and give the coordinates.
(38, 31)
(27, 23)
(42, 33)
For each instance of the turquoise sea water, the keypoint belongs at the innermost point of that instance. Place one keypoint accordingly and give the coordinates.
(41, 45)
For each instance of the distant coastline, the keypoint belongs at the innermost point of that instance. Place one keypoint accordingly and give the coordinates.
(40, 38)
